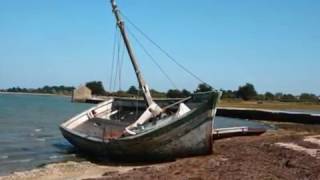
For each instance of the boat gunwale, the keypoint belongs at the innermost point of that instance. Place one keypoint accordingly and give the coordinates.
(66, 123)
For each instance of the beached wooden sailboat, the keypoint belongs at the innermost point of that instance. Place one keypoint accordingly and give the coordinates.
(118, 129)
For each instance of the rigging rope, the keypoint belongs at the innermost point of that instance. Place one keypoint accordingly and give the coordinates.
(120, 66)
(153, 59)
(164, 51)
(117, 64)
(113, 57)
(120, 51)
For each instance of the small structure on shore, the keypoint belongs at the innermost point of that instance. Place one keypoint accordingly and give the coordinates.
(81, 94)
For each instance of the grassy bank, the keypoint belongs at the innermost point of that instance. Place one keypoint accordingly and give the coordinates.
(272, 105)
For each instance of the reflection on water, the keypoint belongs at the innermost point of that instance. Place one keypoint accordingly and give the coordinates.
(29, 133)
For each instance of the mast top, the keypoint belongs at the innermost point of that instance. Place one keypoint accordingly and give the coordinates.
(143, 85)
(113, 4)
(153, 109)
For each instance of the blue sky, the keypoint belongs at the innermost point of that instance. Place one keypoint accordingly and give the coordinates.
(274, 44)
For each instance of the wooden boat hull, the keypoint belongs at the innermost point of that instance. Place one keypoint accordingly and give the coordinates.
(189, 135)
(143, 151)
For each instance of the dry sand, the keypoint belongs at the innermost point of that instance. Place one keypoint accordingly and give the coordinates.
(67, 170)
(257, 157)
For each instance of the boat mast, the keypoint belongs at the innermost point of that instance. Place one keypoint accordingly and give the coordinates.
(142, 83)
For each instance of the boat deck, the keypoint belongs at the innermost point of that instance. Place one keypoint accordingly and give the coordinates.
(102, 128)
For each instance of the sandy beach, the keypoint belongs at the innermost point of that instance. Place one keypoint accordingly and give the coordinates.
(290, 152)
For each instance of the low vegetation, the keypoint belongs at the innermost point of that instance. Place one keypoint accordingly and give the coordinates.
(171, 93)
(60, 90)
(246, 92)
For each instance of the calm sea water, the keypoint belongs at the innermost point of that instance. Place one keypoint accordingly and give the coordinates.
(29, 130)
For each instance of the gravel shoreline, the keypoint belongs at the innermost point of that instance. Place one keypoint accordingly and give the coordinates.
(255, 157)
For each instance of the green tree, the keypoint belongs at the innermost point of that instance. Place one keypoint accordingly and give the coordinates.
(260, 97)
(96, 87)
(121, 93)
(269, 96)
(174, 93)
(306, 97)
(229, 94)
(185, 93)
(203, 88)
(288, 98)
(132, 90)
(278, 96)
(247, 92)
(157, 94)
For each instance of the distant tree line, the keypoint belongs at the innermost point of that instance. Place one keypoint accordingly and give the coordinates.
(97, 88)
(248, 92)
(62, 90)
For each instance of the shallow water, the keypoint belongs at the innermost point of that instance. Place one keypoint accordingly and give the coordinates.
(307, 111)
(30, 136)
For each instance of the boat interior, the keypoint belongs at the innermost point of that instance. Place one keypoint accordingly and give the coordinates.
(109, 119)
